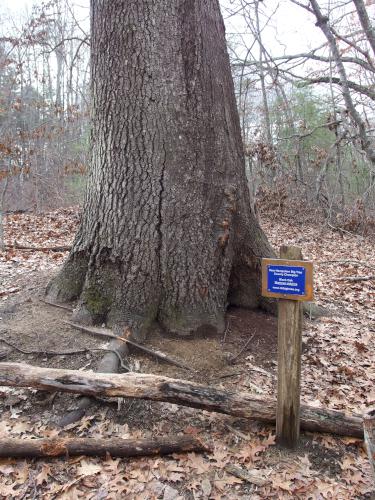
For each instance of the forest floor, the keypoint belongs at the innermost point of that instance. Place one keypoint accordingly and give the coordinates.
(338, 372)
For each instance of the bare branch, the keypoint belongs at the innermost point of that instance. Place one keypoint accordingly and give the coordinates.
(322, 23)
(365, 22)
(361, 89)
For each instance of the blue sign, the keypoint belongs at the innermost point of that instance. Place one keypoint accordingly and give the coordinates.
(290, 280)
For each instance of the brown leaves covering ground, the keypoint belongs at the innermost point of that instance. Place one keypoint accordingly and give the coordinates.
(338, 372)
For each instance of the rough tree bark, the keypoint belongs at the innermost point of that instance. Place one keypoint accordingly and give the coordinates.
(167, 232)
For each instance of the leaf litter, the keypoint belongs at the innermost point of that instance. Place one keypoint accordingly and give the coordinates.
(337, 372)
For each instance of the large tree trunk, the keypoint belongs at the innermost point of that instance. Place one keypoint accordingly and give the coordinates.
(167, 232)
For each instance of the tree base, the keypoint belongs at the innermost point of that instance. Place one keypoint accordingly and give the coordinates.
(104, 297)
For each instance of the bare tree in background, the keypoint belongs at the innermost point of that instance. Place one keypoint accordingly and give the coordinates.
(48, 112)
(306, 117)
(328, 154)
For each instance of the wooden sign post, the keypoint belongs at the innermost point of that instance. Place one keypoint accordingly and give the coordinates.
(289, 279)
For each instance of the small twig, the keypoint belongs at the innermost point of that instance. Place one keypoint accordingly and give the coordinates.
(356, 278)
(17, 246)
(66, 353)
(238, 433)
(347, 261)
(341, 230)
(243, 349)
(57, 353)
(53, 304)
(225, 331)
(228, 375)
(251, 476)
(261, 370)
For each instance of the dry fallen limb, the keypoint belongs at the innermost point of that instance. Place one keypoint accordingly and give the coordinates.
(65, 353)
(234, 358)
(59, 248)
(84, 402)
(157, 388)
(115, 447)
(356, 278)
(342, 230)
(105, 332)
(369, 432)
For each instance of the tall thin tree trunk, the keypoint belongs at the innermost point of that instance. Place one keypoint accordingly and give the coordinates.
(2, 199)
(167, 232)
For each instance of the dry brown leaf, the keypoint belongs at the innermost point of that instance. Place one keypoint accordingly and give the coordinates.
(223, 482)
(43, 475)
(197, 463)
(88, 468)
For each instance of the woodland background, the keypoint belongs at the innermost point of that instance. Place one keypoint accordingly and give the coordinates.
(311, 172)
(303, 148)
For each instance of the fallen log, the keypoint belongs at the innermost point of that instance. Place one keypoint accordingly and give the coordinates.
(115, 447)
(158, 388)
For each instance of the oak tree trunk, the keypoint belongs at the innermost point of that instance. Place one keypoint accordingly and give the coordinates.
(167, 232)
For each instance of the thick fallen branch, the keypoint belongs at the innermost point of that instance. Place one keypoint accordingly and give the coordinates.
(115, 447)
(105, 332)
(59, 248)
(153, 387)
